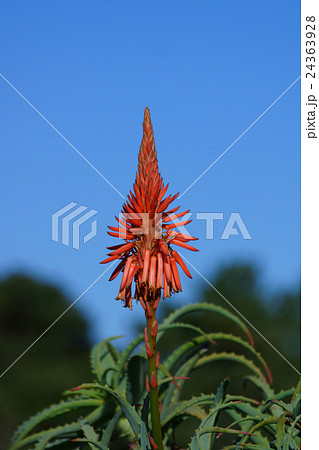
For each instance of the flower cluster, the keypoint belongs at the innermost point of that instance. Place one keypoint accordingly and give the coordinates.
(149, 231)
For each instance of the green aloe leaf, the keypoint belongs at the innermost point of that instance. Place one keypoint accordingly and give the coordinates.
(42, 444)
(266, 391)
(123, 359)
(231, 357)
(197, 441)
(174, 410)
(292, 438)
(205, 439)
(53, 411)
(207, 307)
(129, 411)
(109, 430)
(135, 379)
(103, 359)
(88, 431)
(245, 424)
(280, 432)
(183, 349)
(261, 425)
(67, 431)
(237, 340)
(172, 394)
(92, 444)
(297, 391)
(246, 446)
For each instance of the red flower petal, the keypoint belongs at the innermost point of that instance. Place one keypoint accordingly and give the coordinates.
(176, 225)
(152, 273)
(175, 216)
(180, 261)
(160, 269)
(184, 245)
(175, 273)
(117, 270)
(122, 249)
(146, 265)
(111, 258)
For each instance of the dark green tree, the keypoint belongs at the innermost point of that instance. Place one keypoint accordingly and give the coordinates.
(58, 361)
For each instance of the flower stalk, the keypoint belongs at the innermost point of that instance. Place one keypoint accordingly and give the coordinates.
(153, 361)
(146, 258)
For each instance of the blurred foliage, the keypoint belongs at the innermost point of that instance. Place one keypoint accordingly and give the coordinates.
(275, 316)
(28, 307)
(57, 361)
(117, 412)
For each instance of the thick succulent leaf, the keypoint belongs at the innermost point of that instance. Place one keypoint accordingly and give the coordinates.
(245, 407)
(182, 351)
(128, 410)
(206, 307)
(53, 411)
(283, 394)
(246, 447)
(167, 324)
(103, 359)
(56, 442)
(67, 431)
(93, 444)
(231, 357)
(266, 391)
(261, 425)
(203, 338)
(172, 394)
(174, 410)
(245, 424)
(197, 441)
(292, 438)
(109, 430)
(88, 431)
(280, 432)
(42, 444)
(145, 445)
(186, 326)
(135, 379)
(123, 359)
(297, 391)
(206, 439)
(247, 346)
(295, 405)
(275, 405)
(91, 437)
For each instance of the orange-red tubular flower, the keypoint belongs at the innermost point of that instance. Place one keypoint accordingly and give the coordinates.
(149, 230)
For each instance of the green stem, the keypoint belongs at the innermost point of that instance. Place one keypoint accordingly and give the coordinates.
(152, 369)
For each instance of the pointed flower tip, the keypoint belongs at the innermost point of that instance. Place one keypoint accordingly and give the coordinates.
(146, 113)
(147, 124)
(146, 258)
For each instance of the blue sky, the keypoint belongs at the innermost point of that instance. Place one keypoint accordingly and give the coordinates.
(206, 70)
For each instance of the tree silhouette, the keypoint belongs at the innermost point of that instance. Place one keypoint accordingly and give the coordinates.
(56, 362)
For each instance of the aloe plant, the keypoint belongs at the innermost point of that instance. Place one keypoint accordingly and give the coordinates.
(116, 403)
(135, 395)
